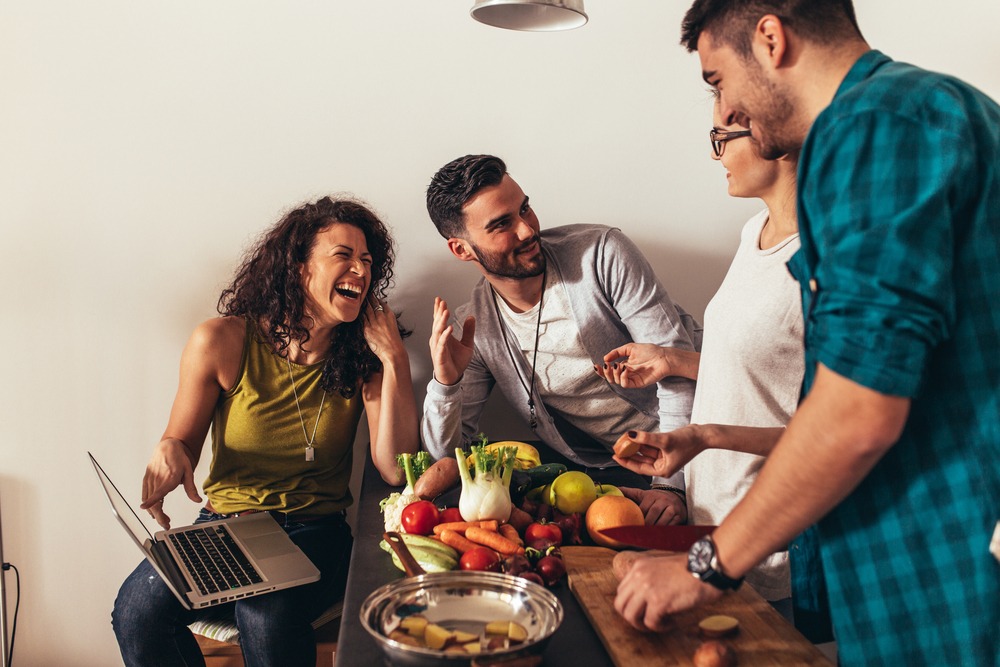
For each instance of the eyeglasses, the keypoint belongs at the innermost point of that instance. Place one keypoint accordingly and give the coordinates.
(720, 137)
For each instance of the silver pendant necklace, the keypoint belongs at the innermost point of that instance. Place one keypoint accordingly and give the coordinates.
(310, 450)
(529, 386)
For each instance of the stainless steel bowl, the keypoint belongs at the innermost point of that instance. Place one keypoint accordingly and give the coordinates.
(460, 600)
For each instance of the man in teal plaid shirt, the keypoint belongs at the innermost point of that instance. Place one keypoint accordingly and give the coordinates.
(894, 453)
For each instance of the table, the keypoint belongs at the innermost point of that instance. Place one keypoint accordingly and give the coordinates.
(575, 643)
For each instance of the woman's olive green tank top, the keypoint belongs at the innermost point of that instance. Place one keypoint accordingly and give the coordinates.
(259, 450)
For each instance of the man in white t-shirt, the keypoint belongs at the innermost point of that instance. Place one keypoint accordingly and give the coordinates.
(547, 308)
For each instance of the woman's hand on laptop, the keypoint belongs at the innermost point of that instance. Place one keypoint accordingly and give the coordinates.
(169, 468)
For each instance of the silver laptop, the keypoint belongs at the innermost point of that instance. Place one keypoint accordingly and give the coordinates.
(214, 562)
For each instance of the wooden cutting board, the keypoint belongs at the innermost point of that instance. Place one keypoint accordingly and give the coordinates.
(764, 637)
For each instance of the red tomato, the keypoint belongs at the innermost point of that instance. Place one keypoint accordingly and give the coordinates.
(543, 535)
(419, 518)
(450, 514)
(480, 558)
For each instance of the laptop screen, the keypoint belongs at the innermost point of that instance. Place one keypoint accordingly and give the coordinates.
(120, 507)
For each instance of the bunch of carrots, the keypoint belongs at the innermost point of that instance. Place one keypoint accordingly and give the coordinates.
(465, 535)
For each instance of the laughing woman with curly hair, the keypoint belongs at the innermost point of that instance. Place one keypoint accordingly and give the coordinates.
(304, 344)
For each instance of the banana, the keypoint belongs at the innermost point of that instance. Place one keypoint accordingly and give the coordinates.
(527, 456)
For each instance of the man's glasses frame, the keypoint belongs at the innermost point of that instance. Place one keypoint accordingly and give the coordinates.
(720, 137)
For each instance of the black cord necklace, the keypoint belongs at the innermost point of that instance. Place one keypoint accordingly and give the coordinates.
(529, 386)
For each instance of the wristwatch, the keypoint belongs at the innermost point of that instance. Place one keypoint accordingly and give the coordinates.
(703, 564)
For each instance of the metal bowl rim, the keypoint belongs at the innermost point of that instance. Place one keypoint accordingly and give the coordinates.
(465, 577)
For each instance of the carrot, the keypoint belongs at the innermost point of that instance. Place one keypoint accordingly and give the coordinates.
(461, 526)
(494, 541)
(510, 532)
(457, 541)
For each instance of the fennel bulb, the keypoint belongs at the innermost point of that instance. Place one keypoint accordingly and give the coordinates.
(486, 494)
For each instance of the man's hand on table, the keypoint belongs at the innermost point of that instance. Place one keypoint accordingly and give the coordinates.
(660, 507)
(657, 587)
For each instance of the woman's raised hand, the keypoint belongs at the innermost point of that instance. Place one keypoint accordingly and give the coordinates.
(382, 332)
(637, 365)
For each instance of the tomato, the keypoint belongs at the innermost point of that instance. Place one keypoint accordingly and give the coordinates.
(420, 517)
(543, 535)
(480, 558)
(450, 514)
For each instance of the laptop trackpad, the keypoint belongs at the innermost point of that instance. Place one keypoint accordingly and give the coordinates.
(266, 546)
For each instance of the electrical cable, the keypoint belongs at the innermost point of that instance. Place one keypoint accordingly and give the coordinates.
(17, 605)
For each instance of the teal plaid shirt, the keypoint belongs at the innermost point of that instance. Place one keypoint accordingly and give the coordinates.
(899, 214)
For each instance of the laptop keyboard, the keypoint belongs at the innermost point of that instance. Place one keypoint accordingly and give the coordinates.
(214, 559)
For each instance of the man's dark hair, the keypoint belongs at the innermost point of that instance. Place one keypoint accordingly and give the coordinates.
(731, 22)
(267, 288)
(454, 184)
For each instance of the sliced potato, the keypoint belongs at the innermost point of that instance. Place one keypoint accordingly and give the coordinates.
(719, 625)
(405, 638)
(498, 628)
(516, 632)
(436, 636)
(415, 625)
(464, 637)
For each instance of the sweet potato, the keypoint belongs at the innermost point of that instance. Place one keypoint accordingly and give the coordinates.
(626, 447)
(623, 560)
(714, 654)
(440, 477)
(520, 519)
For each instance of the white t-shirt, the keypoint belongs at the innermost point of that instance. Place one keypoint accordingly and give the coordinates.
(750, 374)
(564, 372)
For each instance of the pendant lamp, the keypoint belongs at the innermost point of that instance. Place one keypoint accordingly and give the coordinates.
(534, 15)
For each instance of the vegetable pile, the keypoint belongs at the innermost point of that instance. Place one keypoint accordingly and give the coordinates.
(495, 507)
(392, 506)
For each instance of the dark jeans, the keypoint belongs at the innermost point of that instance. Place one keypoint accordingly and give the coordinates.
(275, 629)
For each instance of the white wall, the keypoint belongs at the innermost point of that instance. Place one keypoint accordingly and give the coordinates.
(143, 144)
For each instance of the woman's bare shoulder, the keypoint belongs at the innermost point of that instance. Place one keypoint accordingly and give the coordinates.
(216, 347)
(220, 332)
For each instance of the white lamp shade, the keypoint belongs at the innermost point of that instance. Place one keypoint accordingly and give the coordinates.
(535, 15)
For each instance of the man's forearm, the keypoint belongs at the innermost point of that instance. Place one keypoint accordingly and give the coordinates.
(441, 424)
(834, 440)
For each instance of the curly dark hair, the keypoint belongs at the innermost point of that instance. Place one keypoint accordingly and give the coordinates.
(267, 288)
(456, 183)
(731, 22)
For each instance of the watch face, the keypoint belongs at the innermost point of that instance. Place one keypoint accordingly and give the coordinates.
(700, 556)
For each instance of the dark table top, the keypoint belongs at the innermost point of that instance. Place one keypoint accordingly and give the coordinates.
(574, 643)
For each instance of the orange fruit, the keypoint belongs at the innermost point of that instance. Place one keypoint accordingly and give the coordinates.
(608, 512)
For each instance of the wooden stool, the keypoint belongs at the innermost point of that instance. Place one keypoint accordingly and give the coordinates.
(227, 653)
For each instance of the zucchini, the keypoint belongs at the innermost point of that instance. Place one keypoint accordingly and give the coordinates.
(428, 544)
(523, 481)
(429, 559)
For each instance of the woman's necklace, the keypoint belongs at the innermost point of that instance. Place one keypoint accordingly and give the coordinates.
(529, 387)
(310, 450)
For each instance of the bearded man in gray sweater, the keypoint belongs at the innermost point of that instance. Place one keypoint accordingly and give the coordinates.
(548, 307)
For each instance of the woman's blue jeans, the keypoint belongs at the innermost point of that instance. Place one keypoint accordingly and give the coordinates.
(275, 629)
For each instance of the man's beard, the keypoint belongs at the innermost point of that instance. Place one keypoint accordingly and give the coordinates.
(503, 266)
(775, 118)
